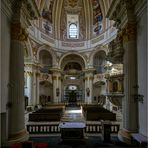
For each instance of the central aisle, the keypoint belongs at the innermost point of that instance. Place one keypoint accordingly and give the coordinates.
(73, 114)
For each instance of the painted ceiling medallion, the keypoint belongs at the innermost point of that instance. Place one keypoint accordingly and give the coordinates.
(72, 3)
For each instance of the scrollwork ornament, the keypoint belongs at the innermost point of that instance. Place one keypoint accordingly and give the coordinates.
(129, 32)
(18, 32)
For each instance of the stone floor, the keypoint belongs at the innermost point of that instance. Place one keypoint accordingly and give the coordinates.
(88, 142)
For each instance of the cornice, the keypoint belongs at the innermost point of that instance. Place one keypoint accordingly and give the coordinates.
(56, 70)
(89, 70)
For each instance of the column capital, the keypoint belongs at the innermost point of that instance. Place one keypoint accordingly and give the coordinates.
(18, 32)
(29, 73)
(56, 70)
(129, 32)
(89, 70)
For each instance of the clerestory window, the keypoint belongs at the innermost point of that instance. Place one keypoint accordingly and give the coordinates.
(73, 31)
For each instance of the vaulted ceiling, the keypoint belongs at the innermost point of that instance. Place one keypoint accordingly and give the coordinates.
(91, 16)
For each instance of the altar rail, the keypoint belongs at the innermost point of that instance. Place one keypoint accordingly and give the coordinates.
(54, 128)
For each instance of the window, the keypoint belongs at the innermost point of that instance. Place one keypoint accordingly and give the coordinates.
(73, 31)
(72, 87)
(72, 26)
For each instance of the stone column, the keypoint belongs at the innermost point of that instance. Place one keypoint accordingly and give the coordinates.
(88, 87)
(34, 88)
(91, 88)
(30, 87)
(130, 105)
(16, 108)
(56, 87)
(37, 87)
(60, 88)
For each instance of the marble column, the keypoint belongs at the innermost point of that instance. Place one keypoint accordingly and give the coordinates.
(16, 108)
(60, 88)
(30, 88)
(129, 104)
(56, 87)
(37, 88)
(88, 87)
(91, 88)
(34, 88)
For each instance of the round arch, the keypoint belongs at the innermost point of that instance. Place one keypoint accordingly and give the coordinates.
(47, 48)
(72, 53)
(95, 52)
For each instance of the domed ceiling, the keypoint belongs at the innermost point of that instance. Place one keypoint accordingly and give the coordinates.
(74, 20)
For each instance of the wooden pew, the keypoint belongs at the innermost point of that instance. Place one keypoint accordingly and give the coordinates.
(96, 113)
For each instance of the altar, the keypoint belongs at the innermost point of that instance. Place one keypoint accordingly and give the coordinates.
(72, 130)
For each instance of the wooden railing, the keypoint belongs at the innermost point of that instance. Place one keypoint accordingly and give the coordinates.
(54, 128)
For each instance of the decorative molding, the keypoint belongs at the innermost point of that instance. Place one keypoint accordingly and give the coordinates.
(18, 33)
(29, 73)
(116, 49)
(54, 77)
(129, 32)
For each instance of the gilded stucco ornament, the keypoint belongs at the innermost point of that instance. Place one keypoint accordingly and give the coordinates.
(35, 52)
(116, 49)
(72, 3)
(29, 73)
(129, 32)
(18, 33)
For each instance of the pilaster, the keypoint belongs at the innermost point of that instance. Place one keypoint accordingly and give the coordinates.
(56, 77)
(89, 85)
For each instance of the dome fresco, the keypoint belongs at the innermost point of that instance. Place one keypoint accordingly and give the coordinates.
(74, 23)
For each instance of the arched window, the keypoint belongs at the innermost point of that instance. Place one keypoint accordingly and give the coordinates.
(73, 31)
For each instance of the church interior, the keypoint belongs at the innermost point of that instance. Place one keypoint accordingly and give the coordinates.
(74, 73)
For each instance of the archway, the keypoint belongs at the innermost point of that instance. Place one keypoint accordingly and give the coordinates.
(45, 60)
(99, 61)
(72, 68)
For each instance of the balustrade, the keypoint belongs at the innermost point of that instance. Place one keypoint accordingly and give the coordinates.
(54, 128)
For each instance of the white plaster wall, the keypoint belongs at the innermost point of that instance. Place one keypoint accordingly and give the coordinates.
(5, 51)
(142, 72)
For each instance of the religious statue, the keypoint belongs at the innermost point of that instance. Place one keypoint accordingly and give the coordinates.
(88, 91)
(57, 92)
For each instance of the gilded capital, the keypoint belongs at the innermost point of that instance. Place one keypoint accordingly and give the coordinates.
(30, 73)
(18, 33)
(129, 32)
(91, 78)
(54, 77)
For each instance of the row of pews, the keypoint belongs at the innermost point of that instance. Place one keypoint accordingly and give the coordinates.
(47, 114)
(91, 113)
(97, 113)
